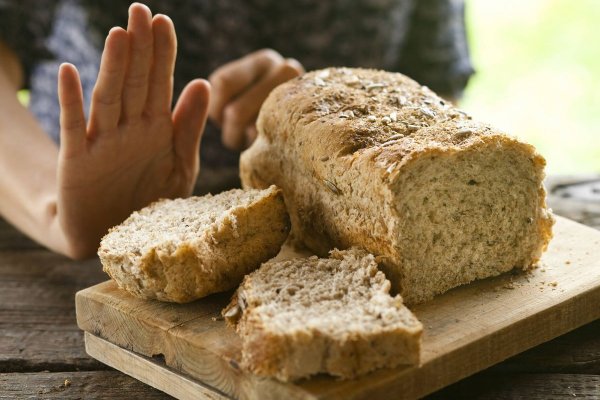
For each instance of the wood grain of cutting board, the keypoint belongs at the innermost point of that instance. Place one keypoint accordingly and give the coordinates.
(465, 330)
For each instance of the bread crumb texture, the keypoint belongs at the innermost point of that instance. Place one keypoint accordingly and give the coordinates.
(184, 249)
(372, 159)
(302, 317)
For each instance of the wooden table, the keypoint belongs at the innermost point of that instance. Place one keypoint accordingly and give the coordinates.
(42, 353)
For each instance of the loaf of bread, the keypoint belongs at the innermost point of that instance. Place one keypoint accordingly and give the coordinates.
(373, 159)
(306, 316)
(184, 249)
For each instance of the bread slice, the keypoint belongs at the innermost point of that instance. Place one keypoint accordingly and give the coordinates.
(301, 317)
(372, 159)
(183, 249)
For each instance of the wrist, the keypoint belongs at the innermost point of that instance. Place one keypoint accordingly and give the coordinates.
(63, 238)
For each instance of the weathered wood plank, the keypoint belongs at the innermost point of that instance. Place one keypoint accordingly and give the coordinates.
(153, 328)
(486, 386)
(38, 328)
(75, 385)
(12, 239)
(144, 369)
(576, 197)
(50, 349)
(466, 330)
(575, 353)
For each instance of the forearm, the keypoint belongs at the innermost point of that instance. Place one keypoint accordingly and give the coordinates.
(28, 163)
(28, 175)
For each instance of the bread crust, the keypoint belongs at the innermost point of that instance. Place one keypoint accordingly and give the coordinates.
(353, 348)
(215, 261)
(344, 143)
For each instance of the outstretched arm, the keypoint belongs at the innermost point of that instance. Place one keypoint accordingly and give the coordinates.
(132, 151)
(28, 160)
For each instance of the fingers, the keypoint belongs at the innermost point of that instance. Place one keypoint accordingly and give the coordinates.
(136, 72)
(72, 118)
(251, 134)
(233, 78)
(241, 113)
(189, 118)
(105, 109)
(161, 76)
(135, 91)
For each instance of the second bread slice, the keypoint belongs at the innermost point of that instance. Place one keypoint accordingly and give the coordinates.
(184, 249)
(306, 316)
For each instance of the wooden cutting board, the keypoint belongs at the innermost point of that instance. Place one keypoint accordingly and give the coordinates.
(465, 330)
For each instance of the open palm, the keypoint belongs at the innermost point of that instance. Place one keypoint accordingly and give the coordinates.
(134, 149)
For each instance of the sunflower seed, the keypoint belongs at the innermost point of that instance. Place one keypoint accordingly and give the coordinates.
(391, 142)
(319, 81)
(323, 74)
(352, 81)
(428, 112)
(390, 168)
(396, 136)
(331, 186)
(375, 86)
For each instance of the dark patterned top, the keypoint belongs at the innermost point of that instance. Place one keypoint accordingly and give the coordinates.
(424, 39)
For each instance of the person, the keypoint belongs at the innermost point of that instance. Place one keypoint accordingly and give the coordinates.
(106, 140)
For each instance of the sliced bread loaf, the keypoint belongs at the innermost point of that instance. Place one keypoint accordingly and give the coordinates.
(301, 317)
(372, 159)
(183, 249)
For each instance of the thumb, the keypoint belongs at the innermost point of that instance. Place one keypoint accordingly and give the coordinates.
(189, 119)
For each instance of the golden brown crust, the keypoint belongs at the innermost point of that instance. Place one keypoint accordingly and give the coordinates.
(215, 261)
(342, 143)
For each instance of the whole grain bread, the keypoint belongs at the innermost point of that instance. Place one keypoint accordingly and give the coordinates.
(372, 159)
(306, 316)
(184, 249)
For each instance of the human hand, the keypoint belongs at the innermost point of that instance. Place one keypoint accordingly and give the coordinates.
(239, 89)
(134, 149)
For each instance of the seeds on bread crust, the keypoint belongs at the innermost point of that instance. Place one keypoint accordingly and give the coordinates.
(184, 249)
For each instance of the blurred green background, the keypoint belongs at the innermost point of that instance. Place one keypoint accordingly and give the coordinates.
(538, 76)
